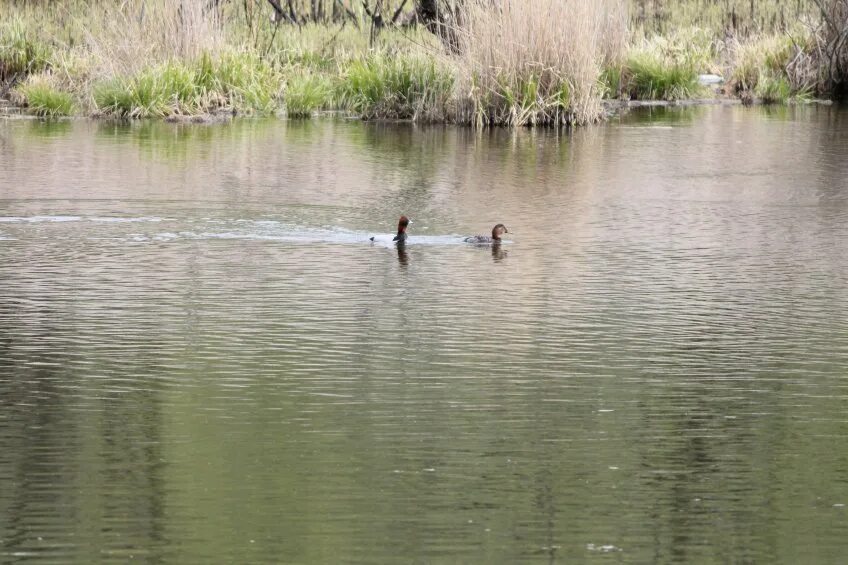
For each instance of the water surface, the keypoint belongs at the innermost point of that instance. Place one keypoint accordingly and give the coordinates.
(204, 359)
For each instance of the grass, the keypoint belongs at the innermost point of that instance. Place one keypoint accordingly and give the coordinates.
(537, 61)
(137, 97)
(306, 93)
(647, 76)
(238, 82)
(399, 87)
(21, 51)
(767, 55)
(530, 62)
(44, 99)
(666, 67)
(773, 89)
(776, 68)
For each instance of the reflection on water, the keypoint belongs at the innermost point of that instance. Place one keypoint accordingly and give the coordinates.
(204, 358)
(403, 256)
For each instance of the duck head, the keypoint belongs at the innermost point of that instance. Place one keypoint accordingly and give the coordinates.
(403, 223)
(498, 231)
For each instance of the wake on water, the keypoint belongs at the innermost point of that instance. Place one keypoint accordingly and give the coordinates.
(209, 228)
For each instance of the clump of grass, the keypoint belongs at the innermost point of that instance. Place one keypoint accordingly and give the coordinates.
(246, 83)
(651, 77)
(136, 97)
(235, 82)
(536, 61)
(776, 68)
(399, 87)
(306, 93)
(21, 52)
(766, 55)
(773, 89)
(611, 81)
(44, 99)
(667, 67)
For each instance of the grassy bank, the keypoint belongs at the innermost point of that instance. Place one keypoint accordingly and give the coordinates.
(533, 62)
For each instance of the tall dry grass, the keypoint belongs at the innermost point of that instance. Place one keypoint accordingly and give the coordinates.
(537, 61)
(137, 33)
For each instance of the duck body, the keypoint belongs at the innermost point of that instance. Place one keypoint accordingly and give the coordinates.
(480, 240)
(495, 238)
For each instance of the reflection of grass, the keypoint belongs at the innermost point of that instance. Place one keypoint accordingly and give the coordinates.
(49, 129)
(674, 115)
(181, 144)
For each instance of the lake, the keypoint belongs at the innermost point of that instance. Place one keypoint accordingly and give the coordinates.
(203, 357)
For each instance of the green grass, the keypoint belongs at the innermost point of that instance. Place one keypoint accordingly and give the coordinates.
(45, 100)
(235, 82)
(776, 68)
(305, 94)
(650, 77)
(399, 87)
(520, 101)
(611, 81)
(773, 89)
(246, 83)
(767, 55)
(142, 96)
(404, 74)
(21, 52)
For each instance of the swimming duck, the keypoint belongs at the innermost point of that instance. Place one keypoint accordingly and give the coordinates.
(497, 232)
(400, 238)
(403, 223)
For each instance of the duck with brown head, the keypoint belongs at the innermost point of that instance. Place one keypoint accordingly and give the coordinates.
(400, 238)
(403, 223)
(497, 232)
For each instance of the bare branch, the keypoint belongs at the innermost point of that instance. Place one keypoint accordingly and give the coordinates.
(398, 12)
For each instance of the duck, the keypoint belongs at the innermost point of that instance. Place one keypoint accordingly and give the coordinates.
(400, 238)
(497, 232)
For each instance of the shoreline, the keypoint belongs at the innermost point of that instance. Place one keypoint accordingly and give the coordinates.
(10, 111)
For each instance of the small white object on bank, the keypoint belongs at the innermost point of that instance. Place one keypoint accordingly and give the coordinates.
(707, 80)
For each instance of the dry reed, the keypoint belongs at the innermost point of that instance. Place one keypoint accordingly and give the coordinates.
(140, 33)
(537, 61)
